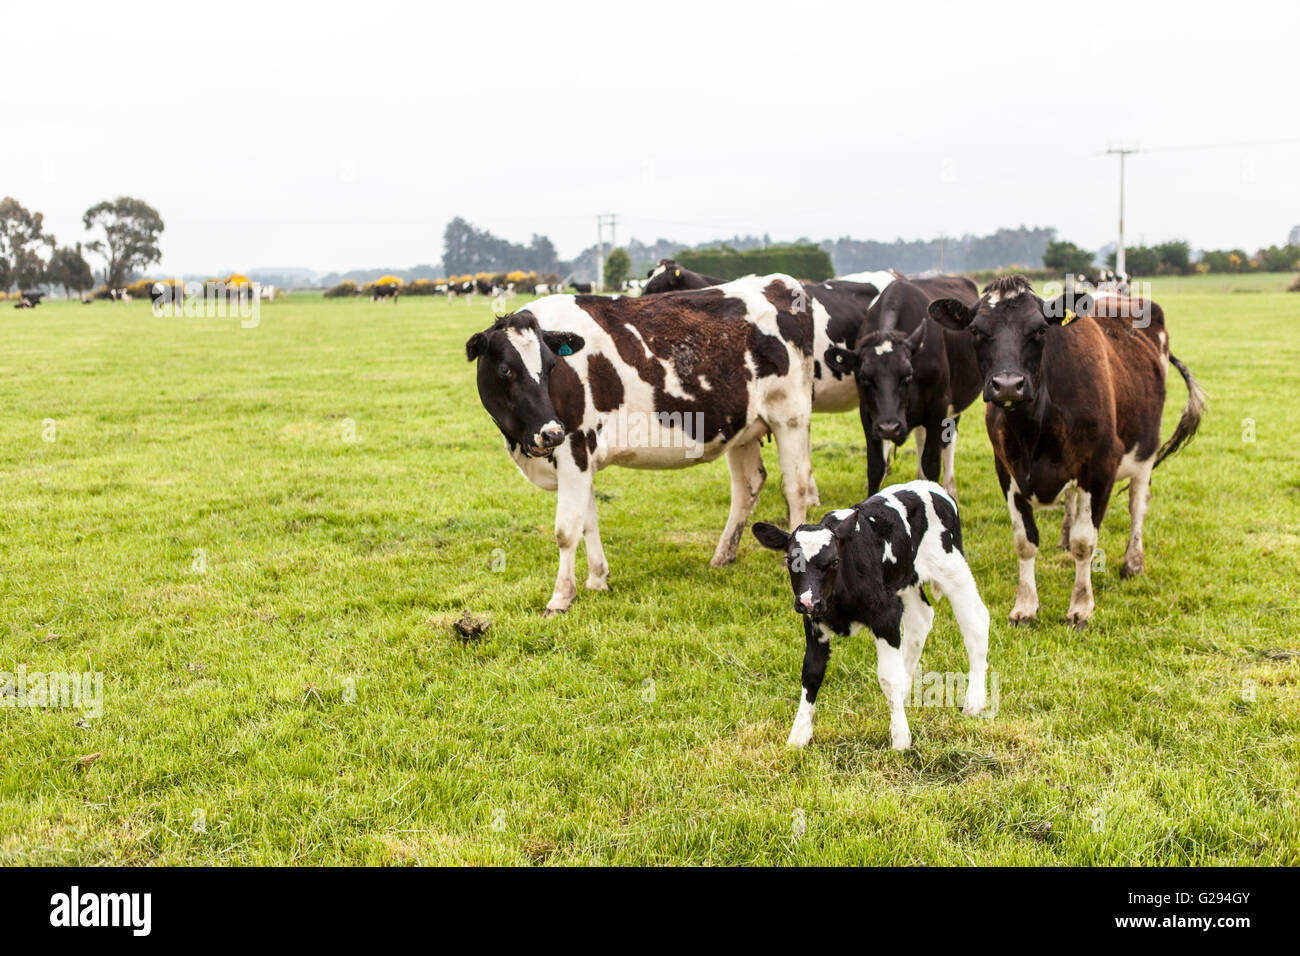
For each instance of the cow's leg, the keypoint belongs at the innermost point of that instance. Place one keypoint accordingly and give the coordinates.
(793, 450)
(573, 493)
(1090, 507)
(918, 618)
(1025, 531)
(816, 653)
(895, 682)
(745, 462)
(1139, 497)
(921, 433)
(973, 622)
(930, 459)
(597, 567)
(950, 457)
(1067, 520)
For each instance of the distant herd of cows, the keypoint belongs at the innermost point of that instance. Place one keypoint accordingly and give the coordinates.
(694, 368)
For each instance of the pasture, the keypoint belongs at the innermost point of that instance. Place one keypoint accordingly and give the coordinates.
(261, 538)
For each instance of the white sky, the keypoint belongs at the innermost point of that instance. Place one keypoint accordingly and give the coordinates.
(345, 136)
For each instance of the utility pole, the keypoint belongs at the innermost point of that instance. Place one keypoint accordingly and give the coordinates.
(941, 239)
(1121, 152)
(603, 219)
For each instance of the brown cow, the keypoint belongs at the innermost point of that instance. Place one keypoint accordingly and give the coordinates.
(1074, 404)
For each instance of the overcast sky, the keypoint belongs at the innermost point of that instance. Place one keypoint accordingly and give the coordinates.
(346, 137)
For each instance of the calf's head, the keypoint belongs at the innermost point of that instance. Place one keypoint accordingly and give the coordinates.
(882, 366)
(515, 364)
(812, 556)
(1009, 326)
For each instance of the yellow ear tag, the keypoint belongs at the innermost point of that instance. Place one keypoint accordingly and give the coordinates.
(677, 273)
(1069, 317)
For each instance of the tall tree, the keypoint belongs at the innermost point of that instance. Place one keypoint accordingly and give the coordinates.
(131, 229)
(69, 268)
(22, 234)
(617, 267)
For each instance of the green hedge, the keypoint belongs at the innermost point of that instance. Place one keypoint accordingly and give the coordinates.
(802, 262)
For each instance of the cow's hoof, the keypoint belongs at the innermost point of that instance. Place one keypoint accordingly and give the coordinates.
(554, 612)
(1077, 621)
(597, 584)
(722, 560)
(1022, 619)
(1126, 572)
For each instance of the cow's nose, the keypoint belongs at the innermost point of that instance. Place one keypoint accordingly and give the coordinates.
(551, 435)
(1005, 387)
(894, 431)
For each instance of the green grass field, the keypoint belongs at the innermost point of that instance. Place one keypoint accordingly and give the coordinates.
(270, 604)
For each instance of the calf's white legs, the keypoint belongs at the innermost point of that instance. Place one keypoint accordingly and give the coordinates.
(597, 567)
(895, 682)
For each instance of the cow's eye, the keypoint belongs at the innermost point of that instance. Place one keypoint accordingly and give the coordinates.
(835, 564)
(977, 334)
(907, 379)
(1040, 332)
(507, 372)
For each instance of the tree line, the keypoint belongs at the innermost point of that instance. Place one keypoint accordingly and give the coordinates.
(125, 232)
(1176, 258)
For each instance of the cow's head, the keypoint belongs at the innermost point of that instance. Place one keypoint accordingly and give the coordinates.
(515, 359)
(882, 365)
(1009, 328)
(812, 556)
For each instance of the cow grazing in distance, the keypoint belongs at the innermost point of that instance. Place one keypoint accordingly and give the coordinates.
(583, 288)
(911, 375)
(1074, 404)
(863, 567)
(576, 383)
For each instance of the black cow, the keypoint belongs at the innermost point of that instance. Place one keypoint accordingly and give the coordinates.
(912, 375)
(583, 288)
(668, 276)
(863, 567)
(1074, 404)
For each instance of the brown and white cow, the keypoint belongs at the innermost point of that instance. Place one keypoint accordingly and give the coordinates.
(1074, 404)
(576, 383)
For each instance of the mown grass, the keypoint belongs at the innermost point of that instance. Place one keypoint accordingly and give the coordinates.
(300, 693)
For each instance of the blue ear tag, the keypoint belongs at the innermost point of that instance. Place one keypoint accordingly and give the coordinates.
(565, 349)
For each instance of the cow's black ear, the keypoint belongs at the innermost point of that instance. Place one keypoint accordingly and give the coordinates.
(842, 360)
(770, 536)
(951, 314)
(563, 343)
(1065, 308)
(474, 347)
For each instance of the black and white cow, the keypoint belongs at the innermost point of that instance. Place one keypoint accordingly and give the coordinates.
(911, 375)
(584, 288)
(839, 308)
(576, 383)
(863, 567)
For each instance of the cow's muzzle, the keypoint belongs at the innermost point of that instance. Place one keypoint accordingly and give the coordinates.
(547, 438)
(1006, 388)
(894, 431)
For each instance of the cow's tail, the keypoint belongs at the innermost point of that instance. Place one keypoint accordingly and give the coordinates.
(1192, 413)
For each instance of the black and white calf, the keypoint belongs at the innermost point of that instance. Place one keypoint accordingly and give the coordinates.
(863, 567)
(576, 383)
